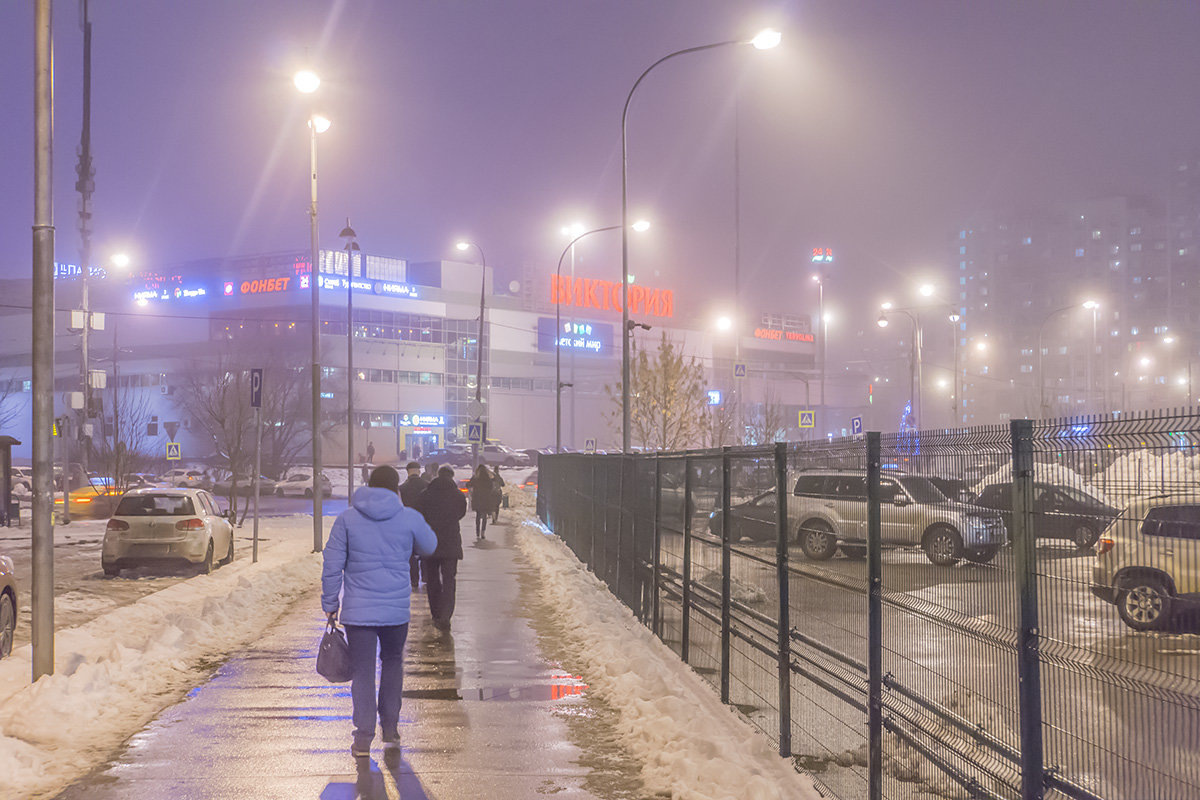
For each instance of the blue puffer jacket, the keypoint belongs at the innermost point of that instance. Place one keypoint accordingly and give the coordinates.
(369, 549)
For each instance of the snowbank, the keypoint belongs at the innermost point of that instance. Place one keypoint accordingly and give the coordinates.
(116, 672)
(695, 747)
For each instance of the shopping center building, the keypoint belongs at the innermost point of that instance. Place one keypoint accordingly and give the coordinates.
(415, 356)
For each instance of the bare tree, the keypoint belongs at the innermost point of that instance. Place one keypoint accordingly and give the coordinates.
(767, 422)
(720, 425)
(129, 448)
(667, 399)
(13, 400)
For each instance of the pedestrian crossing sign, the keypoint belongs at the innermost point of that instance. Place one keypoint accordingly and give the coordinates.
(475, 432)
(739, 369)
(173, 451)
(589, 445)
(808, 419)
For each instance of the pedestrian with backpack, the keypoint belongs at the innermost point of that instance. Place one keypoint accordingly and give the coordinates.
(365, 583)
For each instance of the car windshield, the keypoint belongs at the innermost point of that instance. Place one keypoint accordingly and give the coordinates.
(1081, 497)
(922, 490)
(155, 505)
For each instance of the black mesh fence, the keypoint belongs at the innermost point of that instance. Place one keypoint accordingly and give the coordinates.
(998, 612)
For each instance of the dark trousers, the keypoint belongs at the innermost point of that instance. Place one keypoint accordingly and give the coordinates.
(440, 584)
(481, 518)
(414, 567)
(364, 642)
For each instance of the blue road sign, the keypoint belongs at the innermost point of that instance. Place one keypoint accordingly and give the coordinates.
(174, 451)
(739, 369)
(808, 419)
(256, 387)
(475, 432)
(589, 445)
(856, 425)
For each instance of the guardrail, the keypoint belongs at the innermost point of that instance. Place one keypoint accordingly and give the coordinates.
(893, 641)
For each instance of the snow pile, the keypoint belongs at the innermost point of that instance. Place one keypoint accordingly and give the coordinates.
(116, 672)
(1046, 473)
(1145, 471)
(695, 747)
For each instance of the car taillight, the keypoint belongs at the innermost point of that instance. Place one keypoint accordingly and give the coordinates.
(189, 525)
(117, 525)
(83, 499)
(1103, 546)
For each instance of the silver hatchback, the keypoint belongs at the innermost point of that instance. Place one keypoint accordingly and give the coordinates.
(163, 526)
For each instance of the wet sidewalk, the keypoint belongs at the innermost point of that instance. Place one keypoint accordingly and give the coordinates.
(485, 713)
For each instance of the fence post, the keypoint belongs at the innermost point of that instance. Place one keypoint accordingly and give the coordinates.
(874, 623)
(726, 593)
(686, 622)
(656, 555)
(622, 513)
(785, 622)
(591, 528)
(1028, 663)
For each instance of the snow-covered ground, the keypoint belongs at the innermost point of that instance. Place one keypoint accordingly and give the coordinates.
(114, 673)
(695, 748)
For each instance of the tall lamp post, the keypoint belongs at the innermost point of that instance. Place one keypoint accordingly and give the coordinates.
(307, 82)
(954, 318)
(765, 40)
(1042, 404)
(464, 245)
(914, 361)
(351, 248)
(640, 225)
(819, 279)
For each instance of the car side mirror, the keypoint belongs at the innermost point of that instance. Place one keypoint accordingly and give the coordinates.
(900, 500)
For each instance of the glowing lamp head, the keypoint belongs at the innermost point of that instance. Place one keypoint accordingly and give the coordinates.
(319, 123)
(954, 318)
(927, 290)
(767, 39)
(882, 321)
(641, 226)
(886, 306)
(120, 260)
(1145, 362)
(462, 245)
(574, 229)
(306, 81)
(1091, 305)
(724, 323)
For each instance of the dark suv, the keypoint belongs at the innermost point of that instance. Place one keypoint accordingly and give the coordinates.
(831, 509)
(1059, 512)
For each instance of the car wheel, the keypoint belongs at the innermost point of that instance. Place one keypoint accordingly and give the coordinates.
(228, 559)
(943, 546)
(1084, 536)
(981, 555)
(206, 566)
(308, 494)
(856, 552)
(8, 622)
(111, 570)
(817, 540)
(1144, 604)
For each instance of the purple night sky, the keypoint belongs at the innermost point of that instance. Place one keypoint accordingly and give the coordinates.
(874, 129)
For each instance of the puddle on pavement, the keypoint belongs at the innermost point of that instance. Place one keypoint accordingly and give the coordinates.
(563, 687)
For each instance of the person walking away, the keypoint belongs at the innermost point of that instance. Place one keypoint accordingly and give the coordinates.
(480, 488)
(366, 563)
(410, 495)
(371, 453)
(497, 493)
(431, 472)
(443, 506)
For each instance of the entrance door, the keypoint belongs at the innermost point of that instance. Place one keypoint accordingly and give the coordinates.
(418, 445)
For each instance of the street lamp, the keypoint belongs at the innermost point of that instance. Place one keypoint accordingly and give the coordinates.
(306, 81)
(351, 248)
(1042, 404)
(478, 406)
(765, 40)
(914, 361)
(639, 226)
(820, 281)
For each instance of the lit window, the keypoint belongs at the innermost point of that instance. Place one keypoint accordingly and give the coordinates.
(1095, 235)
(961, 251)
(1027, 240)
(1078, 252)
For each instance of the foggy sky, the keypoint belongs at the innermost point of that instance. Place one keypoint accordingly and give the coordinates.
(874, 129)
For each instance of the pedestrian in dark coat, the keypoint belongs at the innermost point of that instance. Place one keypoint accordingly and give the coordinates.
(497, 493)
(480, 487)
(443, 506)
(366, 563)
(410, 495)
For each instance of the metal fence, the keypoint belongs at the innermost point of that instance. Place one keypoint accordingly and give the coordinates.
(995, 612)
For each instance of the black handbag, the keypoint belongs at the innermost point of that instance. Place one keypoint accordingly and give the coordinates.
(333, 656)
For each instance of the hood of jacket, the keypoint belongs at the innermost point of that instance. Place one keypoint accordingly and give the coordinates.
(440, 484)
(377, 503)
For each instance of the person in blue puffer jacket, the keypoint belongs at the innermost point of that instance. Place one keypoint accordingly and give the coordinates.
(366, 561)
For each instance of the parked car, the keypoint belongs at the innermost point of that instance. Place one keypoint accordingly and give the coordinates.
(21, 476)
(93, 501)
(153, 526)
(452, 455)
(504, 456)
(531, 483)
(186, 478)
(831, 507)
(244, 485)
(8, 605)
(301, 484)
(1148, 561)
(1059, 511)
(753, 520)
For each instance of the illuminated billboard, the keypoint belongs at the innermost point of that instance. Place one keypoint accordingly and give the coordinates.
(575, 336)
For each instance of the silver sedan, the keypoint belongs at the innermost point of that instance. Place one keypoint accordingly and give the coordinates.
(162, 526)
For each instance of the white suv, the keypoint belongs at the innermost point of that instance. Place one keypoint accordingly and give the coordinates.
(1148, 561)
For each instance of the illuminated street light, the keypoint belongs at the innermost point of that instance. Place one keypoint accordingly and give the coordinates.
(641, 226)
(882, 321)
(724, 323)
(927, 290)
(764, 40)
(886, 306)
(306, 81)
(462, 246)
(319, 123)
(120, 260)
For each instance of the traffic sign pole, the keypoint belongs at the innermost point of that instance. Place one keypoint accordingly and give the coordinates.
(256, 389)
